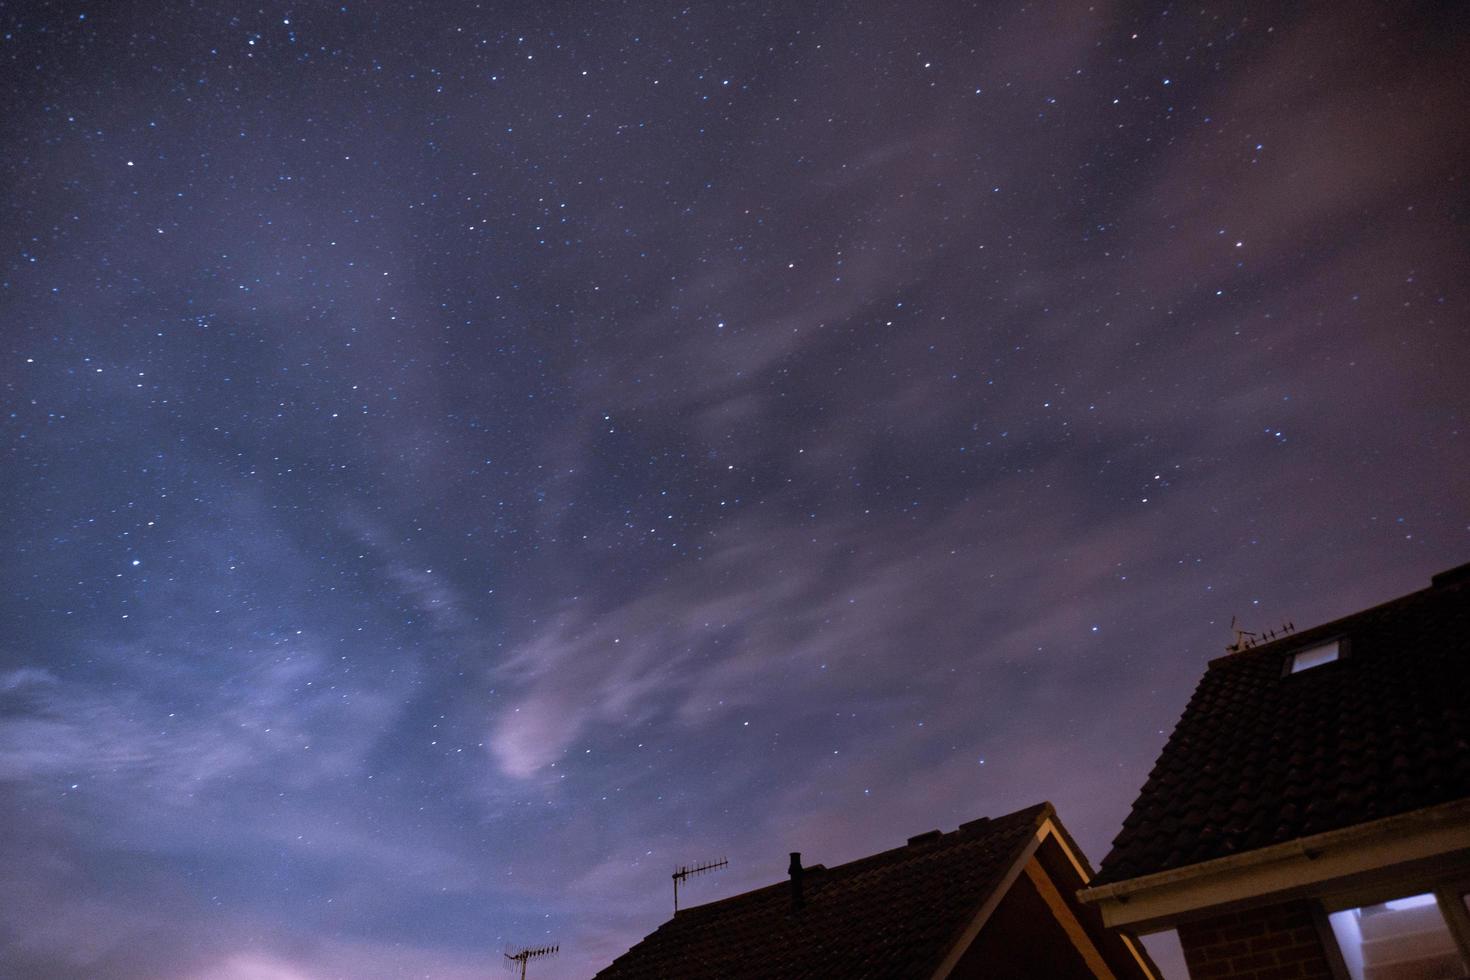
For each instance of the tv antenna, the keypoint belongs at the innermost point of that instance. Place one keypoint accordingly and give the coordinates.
(686, 871)
(528, 953)
(1245, 639)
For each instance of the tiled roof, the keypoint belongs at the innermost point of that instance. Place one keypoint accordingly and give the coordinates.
(1263, 756)
(894, 914)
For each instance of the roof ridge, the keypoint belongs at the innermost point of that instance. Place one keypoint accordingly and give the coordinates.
(1036, 812)
(1332, 626)
(892, 912)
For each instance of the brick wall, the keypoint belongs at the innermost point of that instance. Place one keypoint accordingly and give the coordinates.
(1279, 942)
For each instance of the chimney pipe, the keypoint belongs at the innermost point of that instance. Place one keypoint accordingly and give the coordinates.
(795, 870)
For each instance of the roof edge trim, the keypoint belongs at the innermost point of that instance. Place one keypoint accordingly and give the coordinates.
(1440, 829)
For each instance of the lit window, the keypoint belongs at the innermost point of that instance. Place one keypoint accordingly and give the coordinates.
(1322, 653)
(1403, 939)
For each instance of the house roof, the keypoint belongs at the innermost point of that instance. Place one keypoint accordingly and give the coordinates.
(1263, 756)
(894, 914)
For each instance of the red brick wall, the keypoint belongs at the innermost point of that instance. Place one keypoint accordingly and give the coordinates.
(1279, 942)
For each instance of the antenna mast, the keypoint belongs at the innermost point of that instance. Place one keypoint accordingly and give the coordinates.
(1244, 639)
(523, 956)
(686, 871)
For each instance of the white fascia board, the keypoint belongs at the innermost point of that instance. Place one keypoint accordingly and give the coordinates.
(1308, 865)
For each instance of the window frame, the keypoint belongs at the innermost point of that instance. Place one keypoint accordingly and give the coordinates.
(1452, 897)
(1288, 663)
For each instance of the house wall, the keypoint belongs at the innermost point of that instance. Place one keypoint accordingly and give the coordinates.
(1120, 954)
(1039, 929)
(1022, 940)
(1277, 942)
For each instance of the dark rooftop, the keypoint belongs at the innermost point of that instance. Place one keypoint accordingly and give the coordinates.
(1263, 755)
(893, 914)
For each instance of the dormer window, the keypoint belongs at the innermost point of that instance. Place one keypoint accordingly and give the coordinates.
(1314, 656)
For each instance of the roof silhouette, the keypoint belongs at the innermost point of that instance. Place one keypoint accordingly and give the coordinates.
(1263, 755)
(893, 914)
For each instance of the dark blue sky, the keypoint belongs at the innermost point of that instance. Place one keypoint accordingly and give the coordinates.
(463, 460)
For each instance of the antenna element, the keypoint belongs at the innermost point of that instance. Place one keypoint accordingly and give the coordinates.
(1245, 639)
(686, 871)
(525, 955)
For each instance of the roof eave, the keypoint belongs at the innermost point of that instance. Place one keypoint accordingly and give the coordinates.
(1301, 866)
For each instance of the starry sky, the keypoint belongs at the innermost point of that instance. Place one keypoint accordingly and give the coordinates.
(462, 460)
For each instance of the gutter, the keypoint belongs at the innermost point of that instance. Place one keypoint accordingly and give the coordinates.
(1424, 833)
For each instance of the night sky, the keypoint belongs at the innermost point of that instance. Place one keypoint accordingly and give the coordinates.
(462, 460)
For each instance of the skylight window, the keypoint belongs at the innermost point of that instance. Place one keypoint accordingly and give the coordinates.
(1322, 653)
